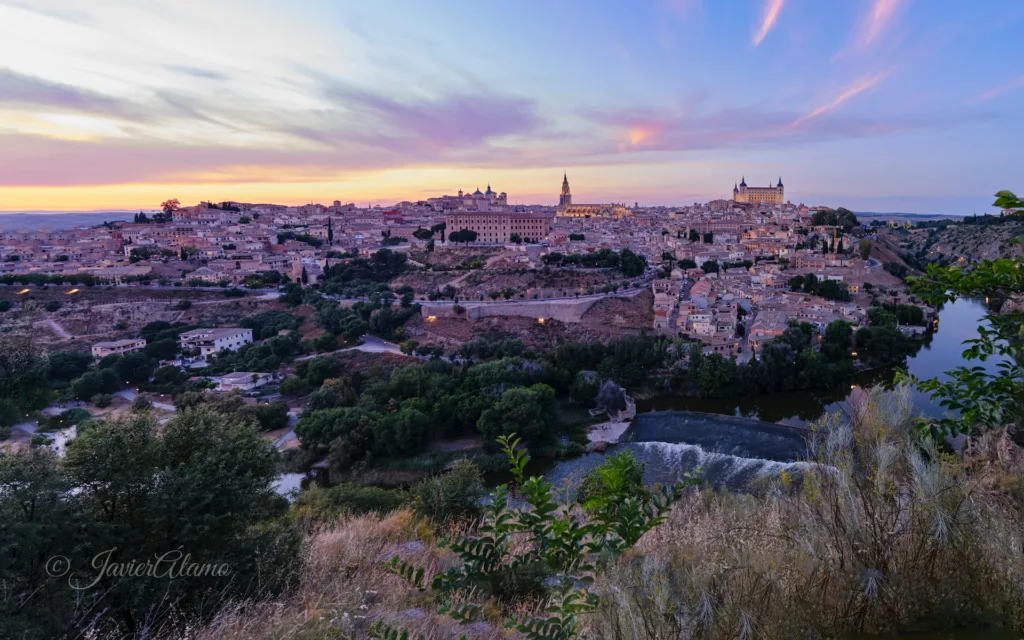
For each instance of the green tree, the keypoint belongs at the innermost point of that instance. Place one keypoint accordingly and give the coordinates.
(67, 365)
(864, 247)
(529, 410)
(94, 382)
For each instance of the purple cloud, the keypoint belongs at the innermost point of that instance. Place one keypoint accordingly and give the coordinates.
(452, 122)
(18, 89)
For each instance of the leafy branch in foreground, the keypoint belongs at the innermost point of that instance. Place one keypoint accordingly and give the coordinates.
(544, 549)
(984, 400)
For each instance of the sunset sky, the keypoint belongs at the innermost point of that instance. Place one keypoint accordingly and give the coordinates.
(876, 105)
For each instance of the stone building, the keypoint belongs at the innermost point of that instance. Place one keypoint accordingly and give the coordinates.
(755, 195)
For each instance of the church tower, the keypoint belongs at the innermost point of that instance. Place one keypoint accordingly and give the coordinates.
(565, 199)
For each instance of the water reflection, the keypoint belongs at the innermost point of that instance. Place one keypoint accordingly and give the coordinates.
(941, 351)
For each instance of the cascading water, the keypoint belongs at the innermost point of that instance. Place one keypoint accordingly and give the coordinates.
(730, 452)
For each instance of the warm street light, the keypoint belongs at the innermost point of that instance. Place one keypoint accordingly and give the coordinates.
(23, 291)
(72, 292)
(540, 320)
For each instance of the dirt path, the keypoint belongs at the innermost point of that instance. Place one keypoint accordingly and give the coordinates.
(59, 330)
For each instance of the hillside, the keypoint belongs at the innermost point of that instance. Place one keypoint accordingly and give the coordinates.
(999, 238)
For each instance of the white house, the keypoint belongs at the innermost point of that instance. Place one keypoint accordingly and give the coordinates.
(120, 347)
(211, 341)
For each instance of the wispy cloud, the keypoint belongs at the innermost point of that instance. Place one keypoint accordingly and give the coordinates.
(881, 15)
(28, 91)
(858, 87)
(1000, 90)
(768, 19)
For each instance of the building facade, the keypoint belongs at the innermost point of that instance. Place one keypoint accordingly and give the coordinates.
(120, 347)
(498, 227)
(566, 209)
(755, 195)
(211, 341)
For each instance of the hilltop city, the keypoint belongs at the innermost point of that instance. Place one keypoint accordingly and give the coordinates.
(722, 272)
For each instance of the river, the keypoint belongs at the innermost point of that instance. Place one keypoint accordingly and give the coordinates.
(942, 351)
(673, 435)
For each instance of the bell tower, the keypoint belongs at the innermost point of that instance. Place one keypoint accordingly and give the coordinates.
(565, 199)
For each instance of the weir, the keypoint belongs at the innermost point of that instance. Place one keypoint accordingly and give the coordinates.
(730, 452)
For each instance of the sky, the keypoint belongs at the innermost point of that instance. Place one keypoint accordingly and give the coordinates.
(875, 105)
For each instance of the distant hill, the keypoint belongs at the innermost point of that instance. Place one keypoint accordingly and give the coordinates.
(990, 239)
(905, 217)
(32, 220)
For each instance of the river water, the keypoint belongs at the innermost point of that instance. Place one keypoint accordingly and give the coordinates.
(941, 352)
(674, 435)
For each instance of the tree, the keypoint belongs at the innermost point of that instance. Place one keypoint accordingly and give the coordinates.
(68, 365)
(529, 410)
(330, 231)
(864, 247)
(92, 383)
(204, 487)
(23, 373)
(694, 236)
(710, 266)
(463, 235)
(708, 237)
(170, 206)
(687, 263)
(516, 238)
(294, 387)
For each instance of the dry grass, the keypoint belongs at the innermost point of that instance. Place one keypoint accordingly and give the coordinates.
(344, 587)
(883, 535)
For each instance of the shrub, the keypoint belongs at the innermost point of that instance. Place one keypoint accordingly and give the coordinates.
(294, 387)
(542, 552)
(451, 495)
(317, 504)
(102, 400)
(141, 403)
(52, 305)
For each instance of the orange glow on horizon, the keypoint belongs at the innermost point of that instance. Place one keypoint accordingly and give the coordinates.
(535, 185)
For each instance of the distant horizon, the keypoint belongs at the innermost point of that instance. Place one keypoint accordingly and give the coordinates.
(154, 210)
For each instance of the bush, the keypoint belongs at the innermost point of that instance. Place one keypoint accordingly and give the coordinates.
(102, 400)
(295, 387)
(141, 403)
(52, 305)
(320, 505)
(451, 495)
(5, 306)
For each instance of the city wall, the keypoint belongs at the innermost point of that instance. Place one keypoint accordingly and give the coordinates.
(564, 310)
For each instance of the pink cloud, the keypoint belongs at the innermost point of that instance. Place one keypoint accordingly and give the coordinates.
(768, 19)
(856, 88)
(1000, 90)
